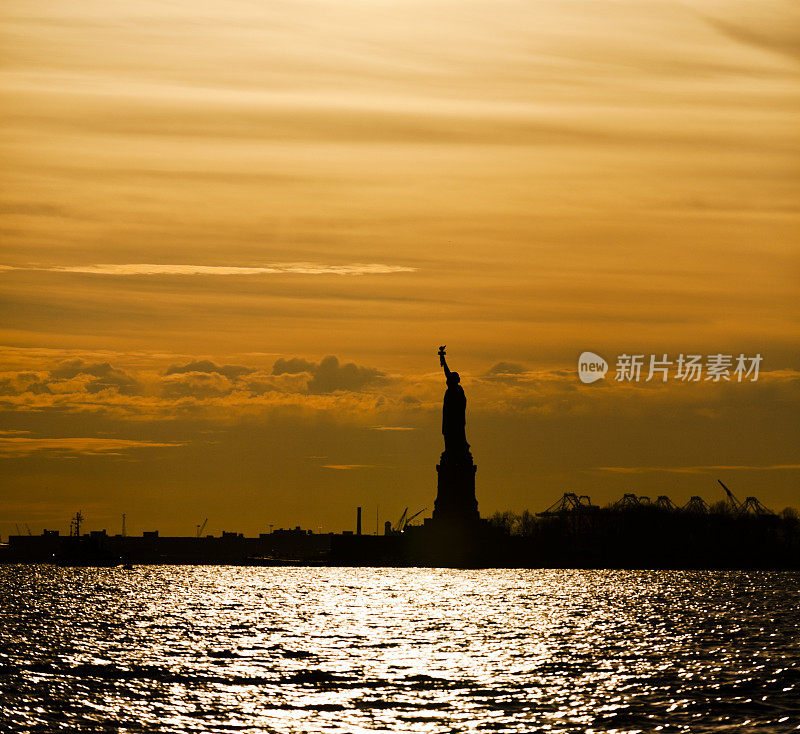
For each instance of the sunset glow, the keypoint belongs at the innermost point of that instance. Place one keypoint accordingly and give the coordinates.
(235, 233)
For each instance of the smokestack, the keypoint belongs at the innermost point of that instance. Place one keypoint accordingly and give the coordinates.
(358, 521)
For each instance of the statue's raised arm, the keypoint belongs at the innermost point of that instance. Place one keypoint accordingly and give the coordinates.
(453, 411)
(443, 361)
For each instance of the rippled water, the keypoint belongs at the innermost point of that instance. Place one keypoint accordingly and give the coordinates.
(350, 650)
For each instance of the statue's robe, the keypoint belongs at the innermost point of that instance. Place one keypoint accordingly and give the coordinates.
(454, 419)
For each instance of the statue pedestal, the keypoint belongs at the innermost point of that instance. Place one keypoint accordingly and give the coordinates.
(455, 537)
(455, 500)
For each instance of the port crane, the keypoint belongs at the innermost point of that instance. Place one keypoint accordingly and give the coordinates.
(399, 527)
(416, 514)
(696, 504)
(570, 502)
(664, 503)
(750, 506)
(735, 504)
(201, 528)
(405, 521)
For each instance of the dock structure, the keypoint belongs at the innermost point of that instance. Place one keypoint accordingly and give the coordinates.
(571, 503)
(751, 506)
(665, 503)
(628, 502)
(568, 503)
(696, 505)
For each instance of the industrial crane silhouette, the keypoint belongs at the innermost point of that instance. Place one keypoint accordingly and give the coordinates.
(735, 504)
(696, 504)
(664, 503)
(404, 521)
(750, 506)
(569, 502)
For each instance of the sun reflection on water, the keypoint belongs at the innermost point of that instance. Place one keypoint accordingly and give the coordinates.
(427, 650)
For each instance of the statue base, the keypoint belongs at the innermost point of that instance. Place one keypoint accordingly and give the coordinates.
(455, 537)
(455, 499)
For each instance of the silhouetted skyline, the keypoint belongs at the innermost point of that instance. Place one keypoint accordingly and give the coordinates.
(232, 238)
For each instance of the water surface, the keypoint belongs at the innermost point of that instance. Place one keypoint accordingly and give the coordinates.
(224, 649)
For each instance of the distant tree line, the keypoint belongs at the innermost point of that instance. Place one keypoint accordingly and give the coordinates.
(650, 537)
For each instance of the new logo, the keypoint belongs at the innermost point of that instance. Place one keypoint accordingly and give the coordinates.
(591, 367)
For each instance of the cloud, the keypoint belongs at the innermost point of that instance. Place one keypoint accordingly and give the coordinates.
(304, 268)
(14, 446)
(107, 377)
(693, 469)
(161, 388)
(260, 383)
(31, 209)
(773, 31)
(196, 384)
(504, 368)
(505, 372)
(231, 371)
(75, 367)
(119, 381)
(202, 389)
(293, 366)
(330, 376)
(346, 467)
(16, 383)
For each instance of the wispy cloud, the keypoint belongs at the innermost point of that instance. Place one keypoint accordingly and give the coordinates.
(301, 268)
(345, 467)
(25, 446)
(693, 469)
(392, 428)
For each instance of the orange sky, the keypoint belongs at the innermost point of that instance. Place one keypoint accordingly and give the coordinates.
(194, 194)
